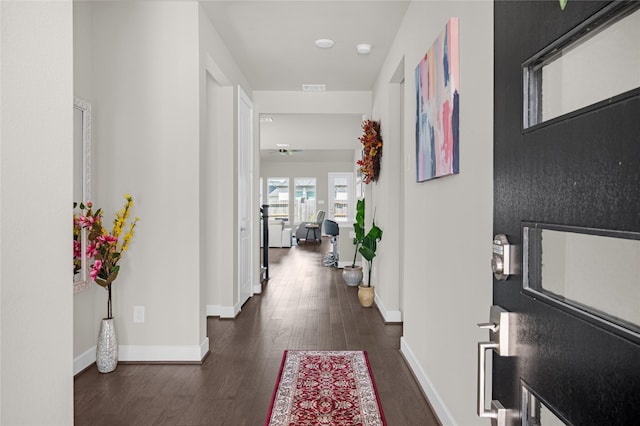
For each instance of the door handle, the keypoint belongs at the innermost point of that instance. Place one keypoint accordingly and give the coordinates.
(489, 325)
(499, 332)
(497, 411)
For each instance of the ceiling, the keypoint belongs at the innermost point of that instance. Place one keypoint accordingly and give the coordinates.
(273, 41)
(273, 44)
(310, 131)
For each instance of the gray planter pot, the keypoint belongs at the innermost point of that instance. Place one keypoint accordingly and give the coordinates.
(352, 275)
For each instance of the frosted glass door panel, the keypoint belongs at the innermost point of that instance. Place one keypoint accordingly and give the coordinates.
(601, 64)
(599, 274)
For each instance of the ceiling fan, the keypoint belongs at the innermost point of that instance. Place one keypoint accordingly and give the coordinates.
(285, 151)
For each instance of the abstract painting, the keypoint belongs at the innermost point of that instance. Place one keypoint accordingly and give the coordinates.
(438, 107)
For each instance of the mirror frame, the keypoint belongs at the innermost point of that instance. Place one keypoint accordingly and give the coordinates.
(81, 280)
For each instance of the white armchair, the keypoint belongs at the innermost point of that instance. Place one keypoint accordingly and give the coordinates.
(279, 236)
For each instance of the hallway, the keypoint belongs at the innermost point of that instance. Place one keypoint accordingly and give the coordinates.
(304, 306)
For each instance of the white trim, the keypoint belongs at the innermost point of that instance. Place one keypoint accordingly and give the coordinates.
(146, 353)
(388, 316)
(204, 348)
(84, 360)
(216, 72)
(438, 405)
(222, 311)
(343, 263)
(257, 288)
(163, 353)
(244, 205)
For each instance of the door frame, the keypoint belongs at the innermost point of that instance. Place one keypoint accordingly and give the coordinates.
(245, 198)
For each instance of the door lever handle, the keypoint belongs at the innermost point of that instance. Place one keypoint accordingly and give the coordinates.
(489, 325)
(497, 413)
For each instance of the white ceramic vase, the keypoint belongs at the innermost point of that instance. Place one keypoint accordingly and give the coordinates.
(352, 275)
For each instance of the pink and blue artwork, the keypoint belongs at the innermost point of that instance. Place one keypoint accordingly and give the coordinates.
(438, 107)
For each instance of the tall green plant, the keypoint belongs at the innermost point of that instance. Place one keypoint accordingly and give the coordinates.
(358, 229)
(369, 247)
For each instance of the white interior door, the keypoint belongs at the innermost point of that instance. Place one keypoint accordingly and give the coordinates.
(245, 198)
(341, 205)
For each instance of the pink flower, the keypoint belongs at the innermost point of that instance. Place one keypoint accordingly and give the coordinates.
(89, 204)
(77, 249)
(96, 269)
(107, 240)
(86, 221)
(91, 250)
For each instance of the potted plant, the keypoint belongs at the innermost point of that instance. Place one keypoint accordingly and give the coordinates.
(105, 249)
(368, 251)
(352, 274)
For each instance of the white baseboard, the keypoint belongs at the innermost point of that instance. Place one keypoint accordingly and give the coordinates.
(387, 315)
(147, 353)
(343, 263)
(140, 353)
(84, 360)
(222, 311)
(204, 348)
(429, 390)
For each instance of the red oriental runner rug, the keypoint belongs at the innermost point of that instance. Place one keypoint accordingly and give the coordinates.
(325, 388)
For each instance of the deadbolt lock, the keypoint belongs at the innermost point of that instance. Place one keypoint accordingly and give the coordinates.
(506, 258)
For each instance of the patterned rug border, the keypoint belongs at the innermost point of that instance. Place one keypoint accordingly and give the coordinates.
(338, 352)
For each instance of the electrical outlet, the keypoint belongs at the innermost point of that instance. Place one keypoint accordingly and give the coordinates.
(138, 314)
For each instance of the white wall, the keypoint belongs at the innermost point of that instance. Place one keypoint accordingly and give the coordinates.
(146, 128)
(218, 176)
(448, 222)
(36, 122)
(88, 305)
(144, 66)
(269, 102)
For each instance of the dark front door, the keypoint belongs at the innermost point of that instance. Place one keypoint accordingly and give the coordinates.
(567, 193)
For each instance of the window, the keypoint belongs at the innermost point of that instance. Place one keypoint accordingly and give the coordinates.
(598, 61)
(278, 198)
(341, 197)
(304, 203)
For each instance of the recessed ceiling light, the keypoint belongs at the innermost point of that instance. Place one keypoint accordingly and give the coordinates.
(266, 120)
(314, 87)
(363, 48)
(325, 43)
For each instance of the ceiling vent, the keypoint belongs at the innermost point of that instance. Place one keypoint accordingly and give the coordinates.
(314, 87)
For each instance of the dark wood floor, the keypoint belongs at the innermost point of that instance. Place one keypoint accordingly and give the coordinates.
(304, 306)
